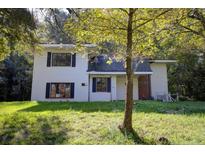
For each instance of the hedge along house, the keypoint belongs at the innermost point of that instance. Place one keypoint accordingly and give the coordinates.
(60, 74)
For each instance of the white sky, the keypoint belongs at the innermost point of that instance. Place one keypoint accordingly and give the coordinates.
(40, 14)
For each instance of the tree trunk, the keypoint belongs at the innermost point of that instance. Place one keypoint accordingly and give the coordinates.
(126, 126)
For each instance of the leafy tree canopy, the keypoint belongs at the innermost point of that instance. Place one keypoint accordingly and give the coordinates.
(156, 32)
(110, 25)
(17, 30)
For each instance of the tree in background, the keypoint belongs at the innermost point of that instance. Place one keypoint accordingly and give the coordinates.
(187, 76)
(183, 39)
(51, 28)
(16, 77)
(17, 31)
(17, 37)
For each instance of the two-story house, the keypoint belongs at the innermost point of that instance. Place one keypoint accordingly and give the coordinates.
(60, 74)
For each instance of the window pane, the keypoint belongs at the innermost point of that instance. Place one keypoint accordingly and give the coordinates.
(67, 90)
(61, 59)
(53, 90)
(60, 90)
(101, 84)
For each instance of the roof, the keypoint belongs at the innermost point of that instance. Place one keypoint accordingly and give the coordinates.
(100, 64)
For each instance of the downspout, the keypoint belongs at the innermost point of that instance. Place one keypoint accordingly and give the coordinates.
(111, 88)
(88, 87)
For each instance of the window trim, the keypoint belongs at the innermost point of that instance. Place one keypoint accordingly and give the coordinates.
(106, 91)
(59, 97)
(71, 58)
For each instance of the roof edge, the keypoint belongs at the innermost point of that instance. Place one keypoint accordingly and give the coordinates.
(64, 45)
(163, 61)
(115, 73)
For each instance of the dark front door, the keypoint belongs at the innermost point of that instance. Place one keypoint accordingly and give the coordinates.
(144, 87)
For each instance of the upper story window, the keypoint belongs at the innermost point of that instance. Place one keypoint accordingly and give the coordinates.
(61, 59)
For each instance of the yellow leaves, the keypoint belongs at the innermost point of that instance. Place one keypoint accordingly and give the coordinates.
(4, 49)
(109, 61)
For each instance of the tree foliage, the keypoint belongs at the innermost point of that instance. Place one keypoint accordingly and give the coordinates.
(183, 31)
(187, 76)
(110, 25)
(17, 31)
(16, 77)
(53, 26)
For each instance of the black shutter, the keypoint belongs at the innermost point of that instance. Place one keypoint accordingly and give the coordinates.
(47, 90)
(108, 84)
(73, 60)
(48, 59)
(72, 90)
(94, 85)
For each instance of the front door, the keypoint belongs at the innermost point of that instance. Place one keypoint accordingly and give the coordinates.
(144, 87)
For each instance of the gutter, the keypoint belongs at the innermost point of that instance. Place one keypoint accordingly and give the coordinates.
(117, 73)
(162, 61)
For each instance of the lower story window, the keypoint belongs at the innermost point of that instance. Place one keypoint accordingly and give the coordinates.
(60, 90)
(101, 84)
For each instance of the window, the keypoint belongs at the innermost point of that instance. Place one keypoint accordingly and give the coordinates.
(61, 59)
(101, 84)
(60, 90)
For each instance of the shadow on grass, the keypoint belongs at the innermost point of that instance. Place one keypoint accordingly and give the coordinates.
(118, 106)
(41, 131)
(139, 140)
(77, 106)
(133, 135)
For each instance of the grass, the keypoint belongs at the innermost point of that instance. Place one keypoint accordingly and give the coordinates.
(97, 122)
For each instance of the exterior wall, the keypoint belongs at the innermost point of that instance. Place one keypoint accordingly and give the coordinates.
(159, 83)
(103, 96)
(121, 88)
(43, 74)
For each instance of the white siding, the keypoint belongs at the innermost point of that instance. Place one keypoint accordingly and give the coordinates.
(159, 83)
(43, 74)
(121, 88)
(103, 96)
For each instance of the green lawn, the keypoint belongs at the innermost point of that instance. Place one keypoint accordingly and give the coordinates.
(97, 122)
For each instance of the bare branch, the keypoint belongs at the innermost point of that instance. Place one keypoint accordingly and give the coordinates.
(56, 21)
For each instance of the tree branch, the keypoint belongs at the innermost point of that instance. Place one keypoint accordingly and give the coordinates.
(149, 20)
(124, 10)
(193, 31)
(56, 21)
